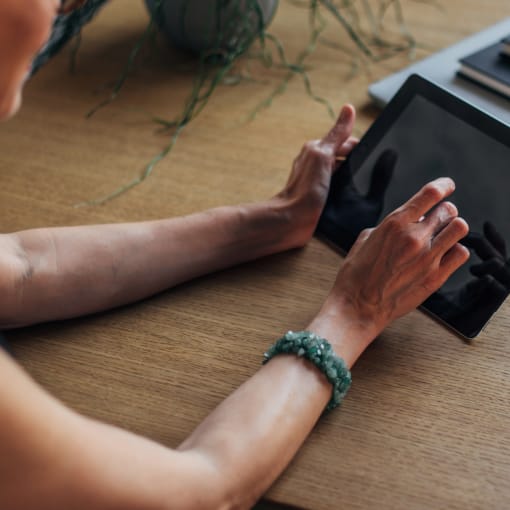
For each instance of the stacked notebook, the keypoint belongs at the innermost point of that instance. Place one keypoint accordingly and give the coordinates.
(441, 69)
(489, 67)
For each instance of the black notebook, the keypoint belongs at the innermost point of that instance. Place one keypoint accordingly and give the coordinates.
(488, 68)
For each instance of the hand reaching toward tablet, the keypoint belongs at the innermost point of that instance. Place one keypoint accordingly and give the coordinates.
(307, 188)
(393, 268)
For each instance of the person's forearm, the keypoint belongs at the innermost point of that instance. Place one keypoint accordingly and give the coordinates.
(70, 271)
(240, 449)
(254, 433)
(388, 272)
(228, 462)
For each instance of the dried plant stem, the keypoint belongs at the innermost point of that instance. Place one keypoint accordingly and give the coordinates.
(216, 64)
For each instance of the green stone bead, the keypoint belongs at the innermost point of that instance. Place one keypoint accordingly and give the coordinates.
(319, 351)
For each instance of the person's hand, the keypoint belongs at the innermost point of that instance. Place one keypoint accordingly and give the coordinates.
(306, 191)
(394, 267)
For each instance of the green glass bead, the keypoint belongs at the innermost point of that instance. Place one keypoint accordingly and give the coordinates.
(319, 351)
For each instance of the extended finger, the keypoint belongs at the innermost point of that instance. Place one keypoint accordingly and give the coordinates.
(450, 235)
(428, 196)
(439, 218)
(342, 129)
(455, 257)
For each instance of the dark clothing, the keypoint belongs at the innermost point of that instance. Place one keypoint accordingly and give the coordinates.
(65, 27)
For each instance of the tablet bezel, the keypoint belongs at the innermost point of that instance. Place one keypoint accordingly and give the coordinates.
(414, 86)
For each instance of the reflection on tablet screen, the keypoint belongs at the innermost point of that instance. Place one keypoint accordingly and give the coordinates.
(426, 141)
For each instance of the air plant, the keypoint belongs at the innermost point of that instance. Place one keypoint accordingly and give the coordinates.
(225, 34)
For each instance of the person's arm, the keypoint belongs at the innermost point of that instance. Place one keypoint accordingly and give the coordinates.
(62, 460)
(58, 273)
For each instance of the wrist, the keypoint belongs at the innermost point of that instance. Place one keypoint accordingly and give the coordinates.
(271, 227)
(347, 332)
(297, 223)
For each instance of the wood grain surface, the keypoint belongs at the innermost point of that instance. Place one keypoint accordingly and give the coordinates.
(427, 421)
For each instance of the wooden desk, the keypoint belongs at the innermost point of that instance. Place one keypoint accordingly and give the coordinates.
(427, 422)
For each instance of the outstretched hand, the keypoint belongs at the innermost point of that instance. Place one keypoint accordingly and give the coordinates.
(393, 268)
(306, 191)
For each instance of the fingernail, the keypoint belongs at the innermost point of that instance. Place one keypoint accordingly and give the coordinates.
(446, 182)
(344, 113)
(451, 209)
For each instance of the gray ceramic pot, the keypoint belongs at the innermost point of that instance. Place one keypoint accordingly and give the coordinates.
(209, 25)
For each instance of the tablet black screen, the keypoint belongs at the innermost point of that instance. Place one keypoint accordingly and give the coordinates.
(423, 141)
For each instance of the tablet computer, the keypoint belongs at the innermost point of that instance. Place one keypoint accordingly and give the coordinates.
(424, 133)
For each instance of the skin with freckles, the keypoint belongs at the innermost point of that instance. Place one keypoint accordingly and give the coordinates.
(52, 458)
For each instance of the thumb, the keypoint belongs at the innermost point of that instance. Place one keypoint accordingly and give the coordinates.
(342, 129)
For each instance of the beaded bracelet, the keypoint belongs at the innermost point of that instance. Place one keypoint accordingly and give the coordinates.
(319, 351)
